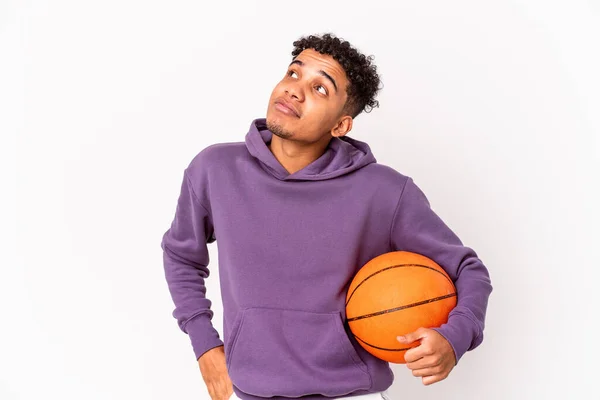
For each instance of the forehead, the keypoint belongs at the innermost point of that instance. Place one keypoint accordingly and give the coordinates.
(315, 60)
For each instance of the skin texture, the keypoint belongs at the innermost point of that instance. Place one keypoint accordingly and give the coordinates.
(214, 372)
(433, 359)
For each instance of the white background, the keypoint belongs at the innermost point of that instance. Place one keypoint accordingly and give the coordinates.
(492, 107)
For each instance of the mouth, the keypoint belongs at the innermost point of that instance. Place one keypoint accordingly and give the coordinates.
(286, 108)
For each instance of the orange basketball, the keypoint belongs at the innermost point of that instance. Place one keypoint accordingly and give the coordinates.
(394, 294)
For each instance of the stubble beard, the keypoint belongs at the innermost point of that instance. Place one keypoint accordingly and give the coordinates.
(278, 130)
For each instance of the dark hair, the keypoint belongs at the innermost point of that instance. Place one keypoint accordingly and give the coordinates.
(361, 73)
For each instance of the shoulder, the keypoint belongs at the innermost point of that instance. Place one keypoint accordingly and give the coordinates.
(203, 167)
(400, 186)
(385, 175)
(214, 156)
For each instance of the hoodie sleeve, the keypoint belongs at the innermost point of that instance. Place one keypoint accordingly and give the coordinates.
(418, 229)
(185, 259)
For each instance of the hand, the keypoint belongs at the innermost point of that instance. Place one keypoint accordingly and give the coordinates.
(214, 372)
(432, 359)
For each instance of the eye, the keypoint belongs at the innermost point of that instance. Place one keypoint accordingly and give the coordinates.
(291, 72)
(322, 87)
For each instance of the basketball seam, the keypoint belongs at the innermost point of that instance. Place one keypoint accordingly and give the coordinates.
(400, 308)
(390, 267)
(381, 348)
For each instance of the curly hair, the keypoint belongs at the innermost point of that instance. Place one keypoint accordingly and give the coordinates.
(360, 71)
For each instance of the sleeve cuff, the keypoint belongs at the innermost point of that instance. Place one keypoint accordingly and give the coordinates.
(462, 334)
(202, 334)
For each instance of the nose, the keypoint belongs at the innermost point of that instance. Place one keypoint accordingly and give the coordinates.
(295, 91)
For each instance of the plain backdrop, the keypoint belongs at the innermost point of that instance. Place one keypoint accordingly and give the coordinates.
(491, 106)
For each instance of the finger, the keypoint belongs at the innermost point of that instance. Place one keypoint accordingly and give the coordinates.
(423, 372)
(428, 380)
(425, 362)
(416, 353)
(412, 336)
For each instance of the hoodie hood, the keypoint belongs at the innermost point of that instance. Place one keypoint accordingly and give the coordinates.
(342, 156)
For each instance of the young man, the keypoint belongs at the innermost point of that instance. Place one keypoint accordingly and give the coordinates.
(297, 209)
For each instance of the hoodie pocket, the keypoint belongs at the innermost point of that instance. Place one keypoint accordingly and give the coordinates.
(278, 352)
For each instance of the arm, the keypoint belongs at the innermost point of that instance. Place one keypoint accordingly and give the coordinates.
(185, 257)
(417, 228)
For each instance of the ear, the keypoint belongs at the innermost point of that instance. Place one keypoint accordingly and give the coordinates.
(343, 126)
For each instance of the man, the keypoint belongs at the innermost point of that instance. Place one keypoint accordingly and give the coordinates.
(297, 209)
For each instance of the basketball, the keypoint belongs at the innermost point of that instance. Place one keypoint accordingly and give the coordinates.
(395, 294)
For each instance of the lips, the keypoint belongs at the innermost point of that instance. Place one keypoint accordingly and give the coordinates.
(286, 107)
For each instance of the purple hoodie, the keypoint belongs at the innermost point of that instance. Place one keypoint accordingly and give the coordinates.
(289, 246)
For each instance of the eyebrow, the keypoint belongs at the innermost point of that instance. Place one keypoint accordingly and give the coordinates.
(325, 74)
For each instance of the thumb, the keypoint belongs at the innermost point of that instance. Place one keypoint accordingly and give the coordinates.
(412, 336)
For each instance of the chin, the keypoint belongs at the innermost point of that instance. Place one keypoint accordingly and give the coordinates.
(276, 127)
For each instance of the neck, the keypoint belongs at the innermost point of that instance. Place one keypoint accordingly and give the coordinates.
(294, 156)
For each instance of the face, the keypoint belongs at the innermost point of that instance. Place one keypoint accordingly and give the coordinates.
(307, 104)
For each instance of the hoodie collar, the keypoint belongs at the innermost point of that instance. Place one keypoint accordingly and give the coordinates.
(342, 156)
